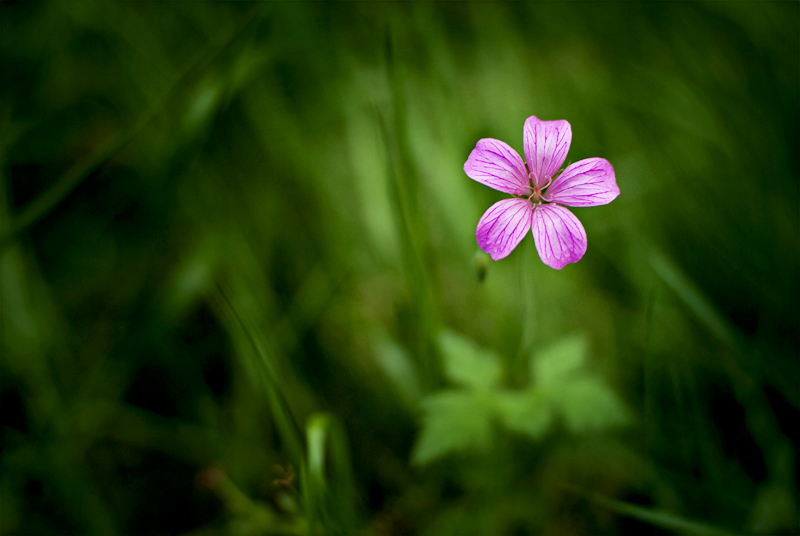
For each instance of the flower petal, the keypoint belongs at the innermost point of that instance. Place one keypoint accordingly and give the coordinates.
(546, 146)
(586, 183)
(560, 237)
(503, 226)
(497, 165)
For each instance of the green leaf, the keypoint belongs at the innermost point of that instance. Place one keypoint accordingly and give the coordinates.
(559, 361)
(467, 364)
(588, 404)
(528, 412)
(657, 518)
(398, 367)
(454, 420)
(327, 481)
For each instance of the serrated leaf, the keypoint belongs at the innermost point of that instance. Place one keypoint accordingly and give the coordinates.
(454, 420)
(588, 404)
(468, 365)
(559, 361)
(527, 412)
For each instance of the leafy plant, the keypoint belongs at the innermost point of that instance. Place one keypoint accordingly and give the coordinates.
(562, 387)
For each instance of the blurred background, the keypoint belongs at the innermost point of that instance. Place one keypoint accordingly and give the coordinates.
(240, 291)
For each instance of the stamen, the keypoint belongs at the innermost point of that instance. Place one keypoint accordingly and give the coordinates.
(535, 198)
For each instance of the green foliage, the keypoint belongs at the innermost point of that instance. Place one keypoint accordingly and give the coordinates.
(585, 402)
(527, 412)
(467, 365)
(664, 520)
(327, 499)
(461, 419)
(453, 420)
(557, 364)
(588, 404)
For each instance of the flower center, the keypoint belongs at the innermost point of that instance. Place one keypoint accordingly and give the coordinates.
(535, 199)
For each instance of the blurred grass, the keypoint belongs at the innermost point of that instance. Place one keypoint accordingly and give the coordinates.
(232, 232)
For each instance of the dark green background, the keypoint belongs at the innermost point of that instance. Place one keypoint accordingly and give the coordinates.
(221, 219)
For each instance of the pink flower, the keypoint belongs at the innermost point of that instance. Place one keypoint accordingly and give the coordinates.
(539, 194)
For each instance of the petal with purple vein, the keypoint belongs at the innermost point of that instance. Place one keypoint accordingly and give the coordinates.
(546, 146)
(503, 226)
(585, 183)
(497, 165)
(560, 237)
